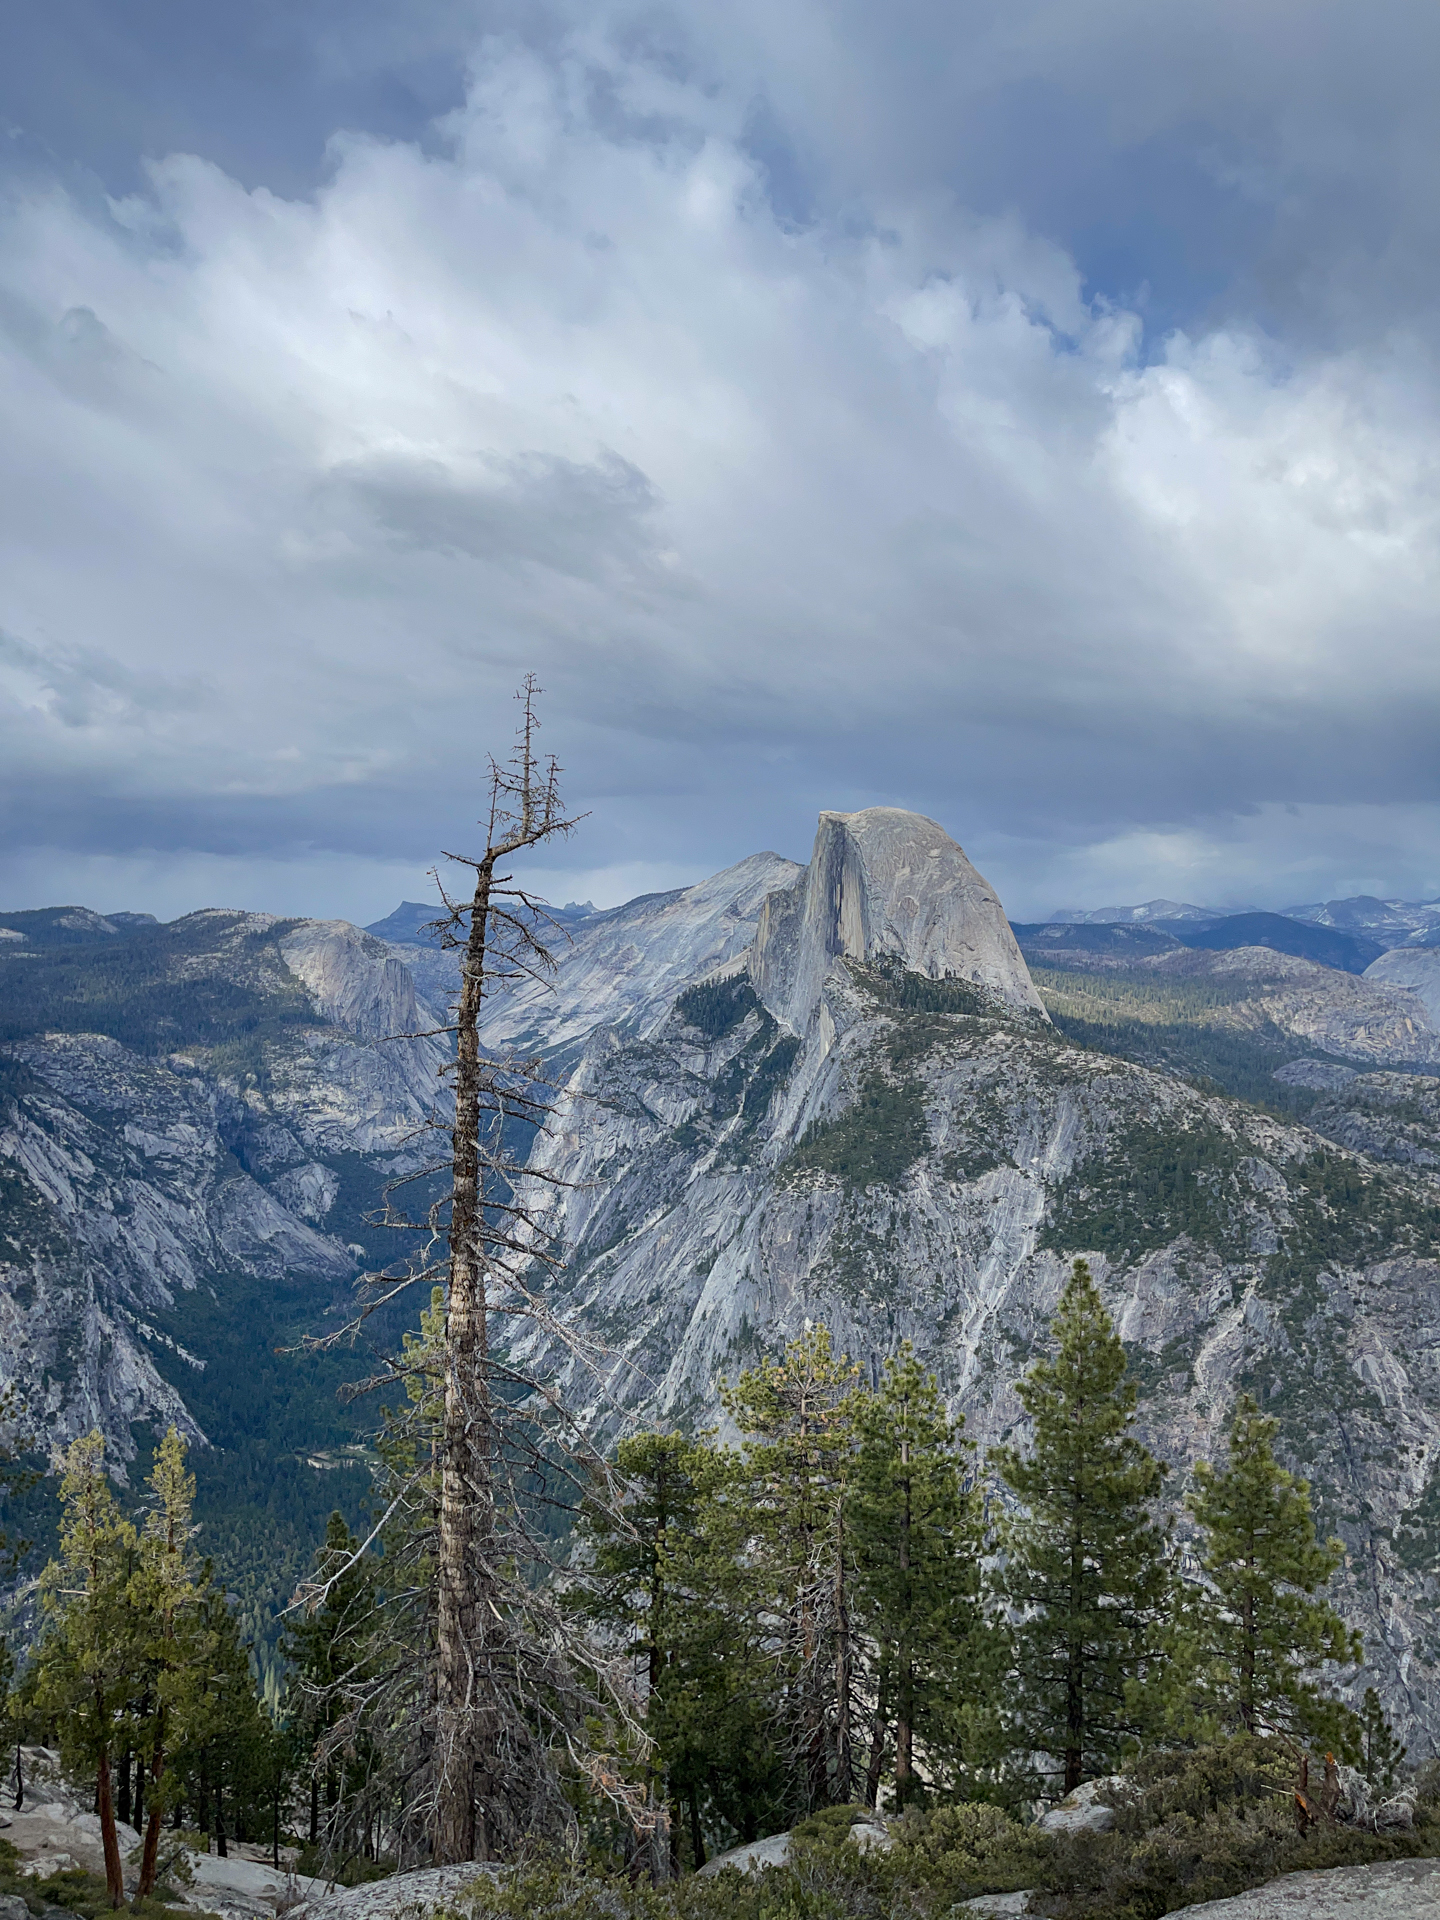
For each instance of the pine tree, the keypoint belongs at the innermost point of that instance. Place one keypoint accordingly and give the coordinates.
(1086, 1569)
(635, 1556)
(172, 1648)
(1381, 1754)
(84, 1665)
(329, 1651)
(1262, 1635)
(665, 1578)
(918, 1536)
(789, 1496)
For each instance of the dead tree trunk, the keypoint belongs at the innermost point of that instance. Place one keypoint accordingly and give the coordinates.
(524, 811)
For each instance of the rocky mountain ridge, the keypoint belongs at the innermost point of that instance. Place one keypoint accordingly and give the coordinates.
(136, 1171)
(842, 1129)
(1393, 923)
(795, 1092)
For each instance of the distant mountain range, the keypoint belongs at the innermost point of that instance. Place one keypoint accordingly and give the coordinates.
(1327, 946)
(1388, 923)
(847, 1090)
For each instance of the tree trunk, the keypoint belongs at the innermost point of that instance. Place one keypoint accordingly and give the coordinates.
(1074, 1668)
(122, 1798)
(114, 1872)
(844, 1765)
(150, 1854)
(220, 1846)
(879, 1730)
(314, 1806)
(905, 1700)
(697, 1842)
(466, 1492)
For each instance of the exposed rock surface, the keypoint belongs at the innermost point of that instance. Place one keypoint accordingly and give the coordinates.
(1415, 968)
(751, 1856)
(623, 969)
(239, 1887)
(867, 1830)
(353, 981)
(1390, 1116)
(905, 1156)
(1387, 1890)
(131, 1174)
(1361, 1017)
(420, 1892)
(1082, 1811)
(884, 884)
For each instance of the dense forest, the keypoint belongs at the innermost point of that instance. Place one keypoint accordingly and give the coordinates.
(844, 1609)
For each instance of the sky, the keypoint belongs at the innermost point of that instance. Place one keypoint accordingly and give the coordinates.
(1023, 413)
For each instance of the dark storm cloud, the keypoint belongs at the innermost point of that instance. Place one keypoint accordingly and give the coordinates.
(1022, 413)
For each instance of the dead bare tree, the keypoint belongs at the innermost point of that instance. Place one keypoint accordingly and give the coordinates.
(510, 1685)
(496, 932)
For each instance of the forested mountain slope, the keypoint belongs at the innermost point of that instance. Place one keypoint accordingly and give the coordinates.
(194, 1121)
(851, 1128)
(832, 1092)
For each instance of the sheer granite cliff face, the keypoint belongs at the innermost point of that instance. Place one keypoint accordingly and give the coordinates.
(826, 1092)
(130, 1176)
(884, 884)
(871, 1123)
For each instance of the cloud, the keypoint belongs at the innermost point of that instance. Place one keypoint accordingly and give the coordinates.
(846, 492)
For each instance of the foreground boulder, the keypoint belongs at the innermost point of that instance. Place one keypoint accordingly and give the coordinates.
(867, 1830)
(751, 1856)
(1386, 1890)
(1082, 1811)
(419, 1892)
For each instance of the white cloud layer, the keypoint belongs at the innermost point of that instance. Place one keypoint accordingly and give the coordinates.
(880, 504)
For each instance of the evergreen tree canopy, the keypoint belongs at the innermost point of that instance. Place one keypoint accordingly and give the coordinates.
(1263, 1633)
(332, 1649)
(664, 1578)
(917, 1534)
(1086, 1568)
(173, 1648)
(787, 1497)
(84, 1665)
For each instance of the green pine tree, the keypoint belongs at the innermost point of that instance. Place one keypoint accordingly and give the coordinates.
(1381, 1754)
(172, 1649)
(787, 1501)
(917, 1532)
(666, 1579)
(1086, 1570)
(85, 1662)
(1261, 1634)
(222, 1767)
(329, 1650)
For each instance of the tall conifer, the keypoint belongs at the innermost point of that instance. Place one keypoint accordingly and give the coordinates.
(1086, 1569)
(86, 1658)
(917, 1534)
(1263, 1633)
(165, 1609)
(666, 1578)
(789, 1494)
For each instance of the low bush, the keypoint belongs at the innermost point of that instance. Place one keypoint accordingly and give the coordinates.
(1191, 1825)
(81, 1893)
(1202, 1824)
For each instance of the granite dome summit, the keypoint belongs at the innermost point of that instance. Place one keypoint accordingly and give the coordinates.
(832, 1091)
